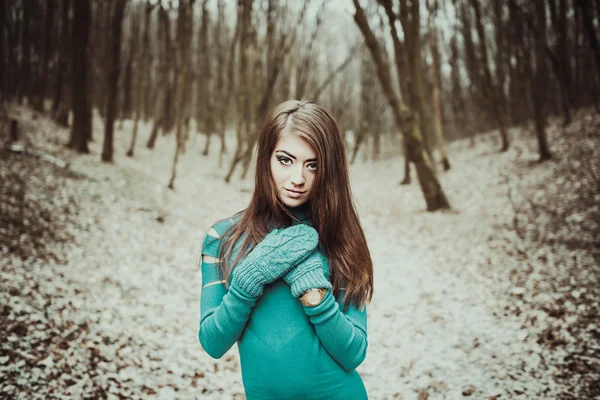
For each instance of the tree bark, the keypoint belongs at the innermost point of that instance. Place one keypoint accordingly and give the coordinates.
(410, 17)
(206, 95)
(160, 106)
(3, 56)
(82, 106)
(128, 93)
(60, 104)
(559, 21)
(184, 39)
(142, 73)
(588, 26)
(224, 92)
(46, 47)
(541, 82)
(405, 121)
(436, 79)
(243, 95)
(25, 64)
(491, 89)
(118, 10)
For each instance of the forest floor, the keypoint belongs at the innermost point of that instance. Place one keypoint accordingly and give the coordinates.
(496, 299)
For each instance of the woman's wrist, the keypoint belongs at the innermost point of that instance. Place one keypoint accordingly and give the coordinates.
(310, 279)
(313, 297)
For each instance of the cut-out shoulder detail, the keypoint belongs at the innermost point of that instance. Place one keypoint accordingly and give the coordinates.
(214, 283)
(209, 259)
(213, 233)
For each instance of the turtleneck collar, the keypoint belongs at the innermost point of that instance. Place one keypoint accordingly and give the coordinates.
(301, 212)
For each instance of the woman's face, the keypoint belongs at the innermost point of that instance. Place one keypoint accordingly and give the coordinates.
(293, 167)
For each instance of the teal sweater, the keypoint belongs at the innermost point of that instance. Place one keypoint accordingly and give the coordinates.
(287, 350)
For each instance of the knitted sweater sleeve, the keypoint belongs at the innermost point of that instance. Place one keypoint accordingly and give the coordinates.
(223, 312)
(343, 333)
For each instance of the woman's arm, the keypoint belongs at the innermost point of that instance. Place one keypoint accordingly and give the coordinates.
(223, 313)
(342, 333)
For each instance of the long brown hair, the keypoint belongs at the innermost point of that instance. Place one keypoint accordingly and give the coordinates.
(331, 205)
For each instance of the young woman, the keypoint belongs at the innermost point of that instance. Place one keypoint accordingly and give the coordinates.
(288, 278)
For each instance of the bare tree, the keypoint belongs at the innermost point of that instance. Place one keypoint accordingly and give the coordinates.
(61, 101)
(541, 81)
(2, 54)
(142, 71)
(82, 105)
(225, 82)
(126, 109)
(405, 120)
(436, 79)
(46, 48)
(306, 64)
(161, 105)
(482, 74)
(407, 57)
(560, 23)
(588, 25)
(339, 69)
(117, 13)
(184, 41)
(206, 98)
(243, 95)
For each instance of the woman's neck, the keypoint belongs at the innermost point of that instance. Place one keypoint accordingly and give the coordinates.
(301, 212)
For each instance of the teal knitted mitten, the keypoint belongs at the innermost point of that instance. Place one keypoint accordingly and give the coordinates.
(274, 256)
(308, 275)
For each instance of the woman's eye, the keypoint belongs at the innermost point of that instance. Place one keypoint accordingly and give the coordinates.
(312, 166)
(284, 160)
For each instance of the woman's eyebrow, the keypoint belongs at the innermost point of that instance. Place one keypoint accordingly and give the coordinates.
(293, 156)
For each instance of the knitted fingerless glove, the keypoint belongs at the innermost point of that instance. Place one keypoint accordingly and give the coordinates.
(308, 275)
(274, 256)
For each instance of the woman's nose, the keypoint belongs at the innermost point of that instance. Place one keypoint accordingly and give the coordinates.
(297, 177)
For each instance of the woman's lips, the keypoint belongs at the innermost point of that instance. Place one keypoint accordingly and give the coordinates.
(293, 194)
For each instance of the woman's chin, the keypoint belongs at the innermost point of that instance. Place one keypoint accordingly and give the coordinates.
(290, 202)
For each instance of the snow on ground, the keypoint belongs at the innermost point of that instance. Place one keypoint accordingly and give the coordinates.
(438, 326)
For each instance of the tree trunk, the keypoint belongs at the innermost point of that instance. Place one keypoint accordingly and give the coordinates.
(224, 93)
(118, 10)
(82, 106)
(25, 76)
(143, 77)
(243, 95)
(358, 140)
(160, 107)
(184, 40)
(491, 89)
(40, 95)
(206, 94)
(410, 17)
(558, 16)
(590, 31)
(437, 86)
(405, 121)
(541, 81)
(3, 56)
(60, 104)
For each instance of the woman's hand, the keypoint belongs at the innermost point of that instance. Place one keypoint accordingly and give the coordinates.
(274, 256)
(309, 274)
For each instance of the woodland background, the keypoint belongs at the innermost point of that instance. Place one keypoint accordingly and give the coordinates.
(122, 121)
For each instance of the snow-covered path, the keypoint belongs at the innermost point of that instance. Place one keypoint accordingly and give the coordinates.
(437, 324)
